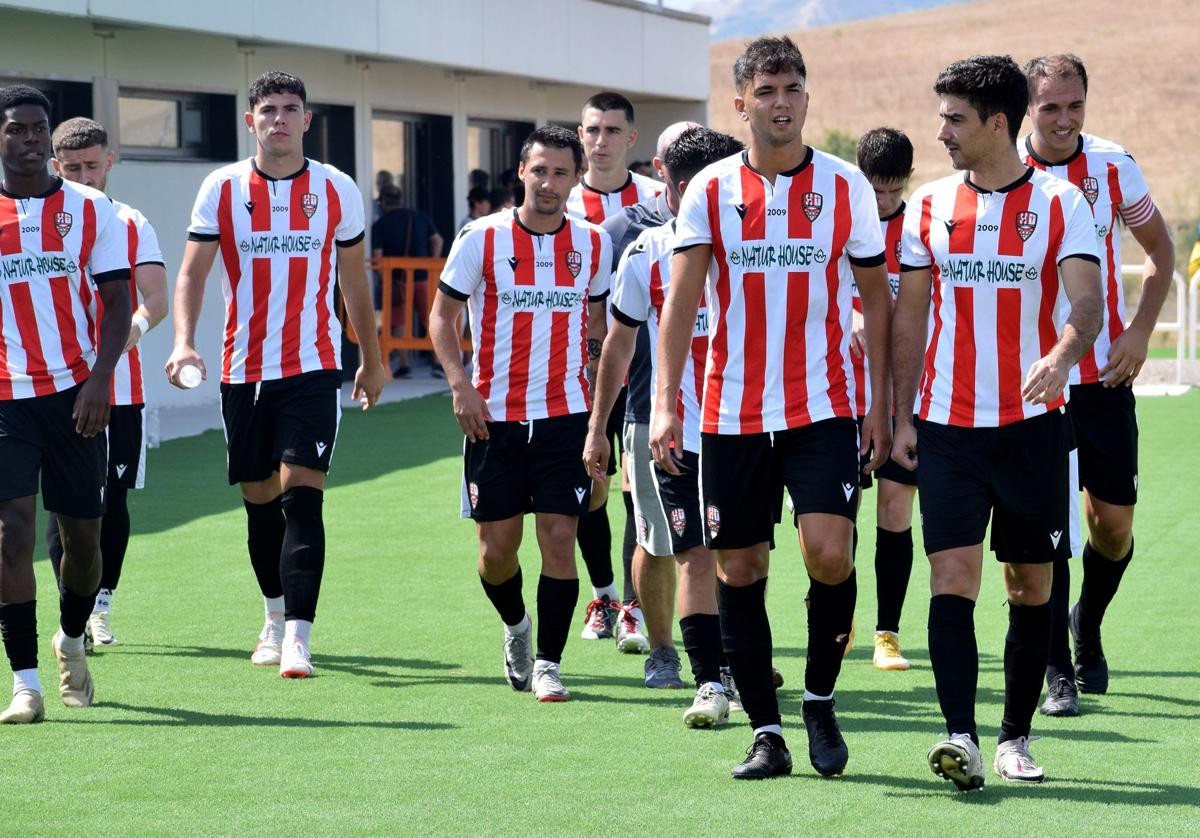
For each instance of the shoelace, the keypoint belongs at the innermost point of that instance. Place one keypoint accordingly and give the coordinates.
(596, 613)
(628, 620)
(658, 663)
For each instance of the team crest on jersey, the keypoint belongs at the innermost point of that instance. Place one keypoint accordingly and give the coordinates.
(899, 251)
(1091, 189)
(308, 204)
(643, 528)
(574, 262)
(1026, 224)
(473, 494)
(678, 521)
(712, 516)
(62, 222)
(811, 203)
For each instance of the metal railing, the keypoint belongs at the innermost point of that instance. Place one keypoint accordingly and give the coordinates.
(1192, 325)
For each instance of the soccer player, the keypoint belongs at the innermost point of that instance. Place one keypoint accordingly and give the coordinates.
(535, 280)
(667, 506)
(60, 244)
(82, 155)
(777, 231)
(1102, 405)
(286, 228)
(885, 157)
(1002, 250)
(607, 132)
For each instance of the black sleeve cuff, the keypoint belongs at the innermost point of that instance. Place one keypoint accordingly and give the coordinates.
(905, 267)
(152, 262)
(622, 317)
(204, 237)
(1087, 257)
(687, 247)
(353, 241)
(112, 276)
(869, 261)
(453, 293)
(598, 299)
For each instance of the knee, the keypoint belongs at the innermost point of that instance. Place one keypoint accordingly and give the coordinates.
(1111, 535)
(496, 553)
(954, 577)
(697, 565)
(828, 562)
(894, 512)
(1028, 584)
(742, 571)
(16, 538)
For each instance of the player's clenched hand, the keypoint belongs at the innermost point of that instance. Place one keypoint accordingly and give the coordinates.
(1125, 359)
(666, 437)
(183, 356)
(368, 384)
(1045, 381)
(471, 411)
(91, 406)
(858, 335)
(904, 445)
(876, 438)
(596, 451)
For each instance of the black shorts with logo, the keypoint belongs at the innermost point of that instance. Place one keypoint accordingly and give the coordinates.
(38, 439)
(533, 466)
(742, 478)
(890, 470)
(616, 430)
(126, 446)
(680, 498)
(1018, 475)
(290, 420)
(1106, 432)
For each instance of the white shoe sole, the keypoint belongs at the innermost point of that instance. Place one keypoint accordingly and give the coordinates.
(633, 645)
(949, 762)
(703, 719)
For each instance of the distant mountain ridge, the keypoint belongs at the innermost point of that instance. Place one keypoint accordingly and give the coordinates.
(747, 18)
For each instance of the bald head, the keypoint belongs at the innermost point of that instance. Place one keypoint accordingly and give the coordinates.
(669, 135)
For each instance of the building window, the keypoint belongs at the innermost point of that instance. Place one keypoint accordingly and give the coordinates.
(330, 136)
(67, 98)
(169, 125)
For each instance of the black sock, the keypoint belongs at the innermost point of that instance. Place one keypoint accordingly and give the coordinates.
(54, 547)
(74, 610)
(628, 545)
(893, 566)
(556, 601)
(746, 638)
(702, 642)
(1059, 660)
(506, 598)
(264, 539)
(1101, 578)
(1025, 651)
(302, 560)
(830, 618)
(114, 536)
(18, 627)
(595, 546)
(954, 658)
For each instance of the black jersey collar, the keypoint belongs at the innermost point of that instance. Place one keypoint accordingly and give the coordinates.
(1009, 188)
(899, 211)
(55, 186)
(265, 176)
(621, 188)
(1048, 163)
(554, 232)
(808, 156)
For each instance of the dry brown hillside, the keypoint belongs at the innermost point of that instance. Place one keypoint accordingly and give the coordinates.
(1143, 64)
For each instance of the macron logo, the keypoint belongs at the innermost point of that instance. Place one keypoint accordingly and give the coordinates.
(121, 471)
(513, 261)
(848, 488)
(741, 211)
(321, 449)
(1056, 537)
(579, 493)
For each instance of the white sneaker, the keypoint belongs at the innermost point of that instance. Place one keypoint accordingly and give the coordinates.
(731, 691)
(710, 708)
(270, 643)
(958, 759)
(518, 658)
(294, 660)
(27, 708)
(547, 685)
(631, 634)
(75, 686)
(100, 630)
(1014, 762)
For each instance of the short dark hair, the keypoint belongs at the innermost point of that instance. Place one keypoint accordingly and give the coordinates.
(767, 55)
(606, 100)
(276, 81)
(390, 195)
(477, 196)
(991, 84)
(16, 95)
(696, 148)
(885, 154)
(1063, 65)
(78, 133)
(500, 196)
(478, 179)
(552, 136)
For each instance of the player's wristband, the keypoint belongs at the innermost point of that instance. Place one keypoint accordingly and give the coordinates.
(142, 323)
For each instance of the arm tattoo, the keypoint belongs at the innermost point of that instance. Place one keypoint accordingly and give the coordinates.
(593, 347)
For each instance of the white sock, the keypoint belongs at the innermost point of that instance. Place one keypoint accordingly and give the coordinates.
(776, 729)
(606, 593)
(26, 679)
(637, 615)
(717, 686)
(298, 629)
(519, 628)
(810, 697)
(104, 599)
(539, 665)
(68, 643)
(274, 607)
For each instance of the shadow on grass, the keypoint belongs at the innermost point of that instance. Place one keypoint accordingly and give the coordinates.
(1058, 788)
(363, 665)
(181, 717)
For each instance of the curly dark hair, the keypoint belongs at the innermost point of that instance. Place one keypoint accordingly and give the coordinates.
(276, 81)
(696, 148)
(22, 94)
(885, 154)
(767, 55)
(992, 84)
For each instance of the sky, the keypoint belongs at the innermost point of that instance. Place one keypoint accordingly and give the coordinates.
(746, 18)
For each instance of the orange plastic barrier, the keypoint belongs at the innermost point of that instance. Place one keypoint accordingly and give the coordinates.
(399, 335)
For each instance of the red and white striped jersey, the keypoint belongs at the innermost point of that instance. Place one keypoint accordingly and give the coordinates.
(891, 228)
(639, 292)
(53, 249)
(527, 295)
(1116, 190)
(998, 304)
(125, 386)
(596, 206)
(277, 242)
(779, 289)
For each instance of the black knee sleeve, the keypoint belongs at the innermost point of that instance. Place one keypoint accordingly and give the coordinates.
(303, 554)
(264, 538)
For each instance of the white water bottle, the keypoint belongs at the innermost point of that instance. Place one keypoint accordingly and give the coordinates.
(189, 376)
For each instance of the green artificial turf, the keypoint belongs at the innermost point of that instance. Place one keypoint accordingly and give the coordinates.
(409, 727)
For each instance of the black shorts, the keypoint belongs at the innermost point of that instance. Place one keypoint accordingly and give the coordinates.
(1106, 432)
(290, 420)
(126, 446)
(890, 470)
(1018, 474)
(615, 430)
(742, 478)
(534, 466)
(38, 439)
(680, 498)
